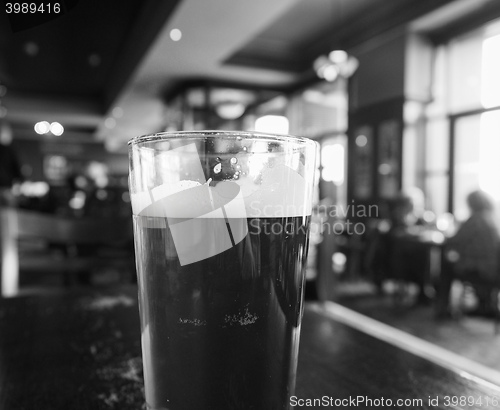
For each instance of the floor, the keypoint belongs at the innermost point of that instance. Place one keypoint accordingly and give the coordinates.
(471, 336)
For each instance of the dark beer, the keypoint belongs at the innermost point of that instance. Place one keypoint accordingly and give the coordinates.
(223, 332)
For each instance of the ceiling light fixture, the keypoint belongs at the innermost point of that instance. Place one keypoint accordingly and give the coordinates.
(31, 48)
(110, 123)
(43, 127)
(337, 64)
(56, 128)
(175, 34)
(230, 110)
(117, 112)
(94, 60)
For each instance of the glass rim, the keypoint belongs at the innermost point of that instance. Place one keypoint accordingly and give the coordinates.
(198, 134)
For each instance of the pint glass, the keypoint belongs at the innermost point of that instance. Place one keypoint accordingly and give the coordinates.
(221, 223)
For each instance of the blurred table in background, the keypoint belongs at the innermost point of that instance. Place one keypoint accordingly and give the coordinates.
(417, 255)
(81, 350)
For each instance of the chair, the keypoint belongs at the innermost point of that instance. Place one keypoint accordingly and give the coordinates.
(46, 242)
(492, 291)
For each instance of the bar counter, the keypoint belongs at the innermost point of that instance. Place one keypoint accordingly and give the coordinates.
(80, 350)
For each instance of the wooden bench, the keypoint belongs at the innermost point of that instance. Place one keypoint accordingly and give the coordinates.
(45, 242)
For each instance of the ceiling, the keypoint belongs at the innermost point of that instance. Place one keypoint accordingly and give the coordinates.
(103, 68)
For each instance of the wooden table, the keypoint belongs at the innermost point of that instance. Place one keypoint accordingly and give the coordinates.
(415, 257)
(81, 350)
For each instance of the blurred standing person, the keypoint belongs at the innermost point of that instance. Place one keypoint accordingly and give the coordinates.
(10, 174)
(472, 253)
(10, 169)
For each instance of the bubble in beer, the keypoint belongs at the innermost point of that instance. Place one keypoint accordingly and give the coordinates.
(244, 148)
(234, 160)
(218, 159)
(218, 168)
(236, 175)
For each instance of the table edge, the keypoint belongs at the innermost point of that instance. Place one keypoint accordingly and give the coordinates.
(463, 366)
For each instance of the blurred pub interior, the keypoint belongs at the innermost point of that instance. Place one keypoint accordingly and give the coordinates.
(400, 94)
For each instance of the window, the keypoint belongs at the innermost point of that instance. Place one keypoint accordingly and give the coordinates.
(465, 116)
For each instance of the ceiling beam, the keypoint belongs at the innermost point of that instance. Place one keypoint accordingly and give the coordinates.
(152, 18)
(31, 108)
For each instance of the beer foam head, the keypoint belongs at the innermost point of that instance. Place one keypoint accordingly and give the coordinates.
(277, 192)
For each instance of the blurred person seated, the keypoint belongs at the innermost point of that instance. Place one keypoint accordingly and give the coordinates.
(408, 210)
(471, 255)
